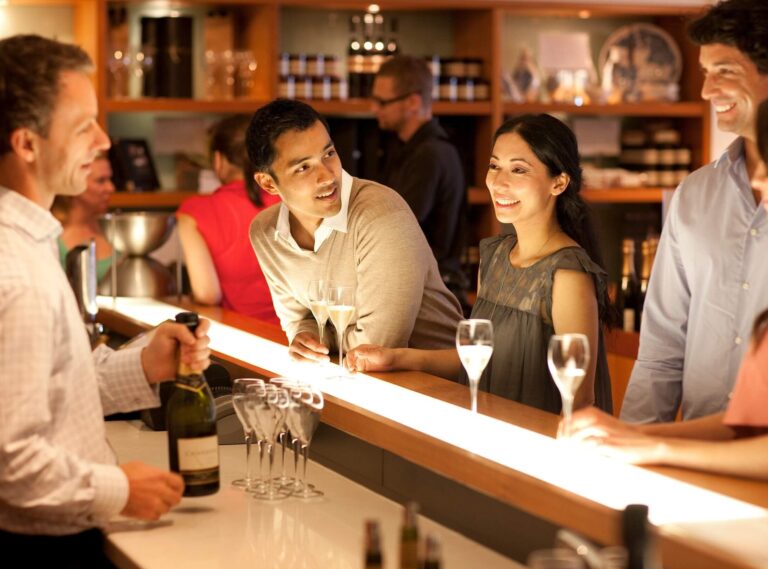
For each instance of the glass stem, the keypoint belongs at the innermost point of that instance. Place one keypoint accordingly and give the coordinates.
(271, 453)
(567, 415)
(341, 350)
(296, 452)
(248, 436)
(261, 461)
(283, 442)
(321, 328)
(305, 452)
(473, 383)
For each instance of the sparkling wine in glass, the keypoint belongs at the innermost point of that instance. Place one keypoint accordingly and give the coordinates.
(568, 360)
(474, 342)
(318, 304)
(341, 310)
(238, 403)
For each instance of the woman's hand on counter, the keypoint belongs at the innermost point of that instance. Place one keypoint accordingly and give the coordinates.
(368, 357)
(613, 437)
(307, 347)
(151, 491)
(172, 342)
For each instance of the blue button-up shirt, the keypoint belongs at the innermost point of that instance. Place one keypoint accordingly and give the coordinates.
(709, 282)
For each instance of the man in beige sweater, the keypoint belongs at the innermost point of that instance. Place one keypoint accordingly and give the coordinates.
(335, 227)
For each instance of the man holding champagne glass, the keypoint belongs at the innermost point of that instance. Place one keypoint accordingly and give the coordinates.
(331, 226)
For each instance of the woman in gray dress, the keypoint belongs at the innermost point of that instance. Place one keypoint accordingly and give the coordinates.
(543, 279)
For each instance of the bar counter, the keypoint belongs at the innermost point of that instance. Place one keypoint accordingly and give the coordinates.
(505, 452)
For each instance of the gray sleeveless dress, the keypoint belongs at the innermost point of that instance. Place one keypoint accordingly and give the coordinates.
(522, 324)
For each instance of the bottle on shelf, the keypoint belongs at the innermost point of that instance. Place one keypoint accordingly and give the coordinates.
(369, 55)
(628, 292)
(432, 558)
(193, 445)
(409, 538)
(638, 539)
(393, 48)
(355, 59)
(645, 276)
(373, 557)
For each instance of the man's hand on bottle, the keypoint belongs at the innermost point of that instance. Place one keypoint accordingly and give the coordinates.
(151, 491)
(172, 341)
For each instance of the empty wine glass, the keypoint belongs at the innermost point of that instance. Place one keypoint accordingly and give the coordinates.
(283, 436)
(238, 403)
(318, 304)
(267, 406)
(341, 310)
(568, 359)
(303, 418)
(474, 342)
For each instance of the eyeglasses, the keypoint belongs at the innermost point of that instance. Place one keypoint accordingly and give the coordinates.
(384, 102)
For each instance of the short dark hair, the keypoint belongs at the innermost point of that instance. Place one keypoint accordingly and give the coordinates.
(228, 138)
(30, 69)
(554, 144)
(270, 122)
(742, 24)
(411, 75)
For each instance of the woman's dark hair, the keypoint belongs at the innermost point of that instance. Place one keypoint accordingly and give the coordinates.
(554, 144)
(742, 24)
(761, 324)
(228, 138)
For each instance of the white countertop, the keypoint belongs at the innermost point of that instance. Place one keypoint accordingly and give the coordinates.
(232, 530)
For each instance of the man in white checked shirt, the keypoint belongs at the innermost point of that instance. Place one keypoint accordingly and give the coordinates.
(59, 480)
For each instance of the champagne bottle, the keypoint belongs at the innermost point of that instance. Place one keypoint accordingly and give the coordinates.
(626, 300)
(193, 446)
(373, 558)
(409, 538)
(645, 277)
(432, 555)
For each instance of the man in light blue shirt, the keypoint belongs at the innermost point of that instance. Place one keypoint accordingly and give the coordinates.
(710, 276)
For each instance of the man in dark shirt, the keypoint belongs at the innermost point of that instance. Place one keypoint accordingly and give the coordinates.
(425, 167)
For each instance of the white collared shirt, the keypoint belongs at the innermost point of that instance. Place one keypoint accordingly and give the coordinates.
(57, 471)
(337, 222)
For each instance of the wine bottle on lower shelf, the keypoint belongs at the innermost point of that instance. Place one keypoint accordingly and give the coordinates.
(373, 557)
(409, 538)
(629, 288)
(193, 446)
(638, 539)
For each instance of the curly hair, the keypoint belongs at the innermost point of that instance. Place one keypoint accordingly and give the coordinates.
(30, 69)
(742, 24)
(554, 144)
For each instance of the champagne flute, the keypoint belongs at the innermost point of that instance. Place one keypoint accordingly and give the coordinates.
(303, 419)
(283, 435)
(341, 310)
(318, 304)
(268, 405)
(238, 403)
(568, 360)
(474, 343)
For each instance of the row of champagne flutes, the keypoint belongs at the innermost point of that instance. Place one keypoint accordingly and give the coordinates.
(567, 358)
(283, 410)
(334, 300)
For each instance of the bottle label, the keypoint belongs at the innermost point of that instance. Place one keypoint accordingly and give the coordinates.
(198, 454)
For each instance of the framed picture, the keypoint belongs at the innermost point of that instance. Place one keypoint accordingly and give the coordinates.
(133, 169)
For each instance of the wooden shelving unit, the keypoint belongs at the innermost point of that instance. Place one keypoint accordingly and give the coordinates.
(149, 200)
(688, 109)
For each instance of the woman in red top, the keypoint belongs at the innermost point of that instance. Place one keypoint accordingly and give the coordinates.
(222, 266)
(733, 442)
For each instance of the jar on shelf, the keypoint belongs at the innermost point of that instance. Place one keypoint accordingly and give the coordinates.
(682, 164)
(339, 88)
(667, 141)
(315, 65)
(332, 65)
(482, 90)
(473, 67)
(454, 67)
(449, 88)
(284, 64)
(433, 62)
(321, 88)
(465, 89)
(297, 64)
(287, 87)
(303, 87)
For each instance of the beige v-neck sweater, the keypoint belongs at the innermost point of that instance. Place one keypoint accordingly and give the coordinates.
(400, 298)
